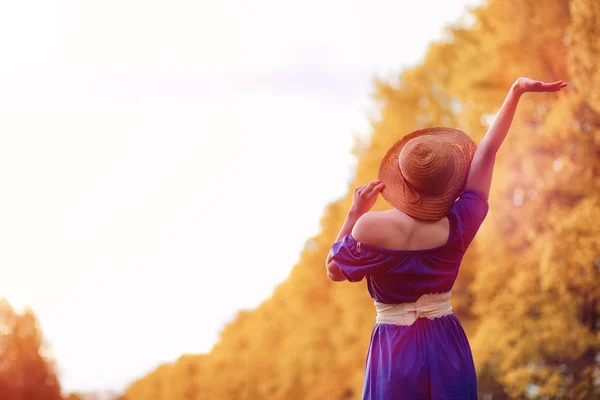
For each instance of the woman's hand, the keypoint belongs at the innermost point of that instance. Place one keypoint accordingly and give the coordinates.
(524, 85)
(365, 197)
(482, 166)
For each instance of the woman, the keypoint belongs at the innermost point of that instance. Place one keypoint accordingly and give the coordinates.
(411, 254)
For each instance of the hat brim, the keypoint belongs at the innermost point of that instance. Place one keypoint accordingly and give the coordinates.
(427, 207)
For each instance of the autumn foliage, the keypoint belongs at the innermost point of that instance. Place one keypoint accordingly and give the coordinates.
(25, 373)
(27, 368)
(528, 291)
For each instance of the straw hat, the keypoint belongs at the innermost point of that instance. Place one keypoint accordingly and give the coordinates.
(426, 171)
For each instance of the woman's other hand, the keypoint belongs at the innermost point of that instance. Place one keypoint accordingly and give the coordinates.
(524, 85)
(365, 197)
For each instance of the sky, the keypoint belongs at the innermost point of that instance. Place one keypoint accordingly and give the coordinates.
(164, 162)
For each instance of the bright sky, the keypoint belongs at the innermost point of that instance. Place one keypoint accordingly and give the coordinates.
(163, 162)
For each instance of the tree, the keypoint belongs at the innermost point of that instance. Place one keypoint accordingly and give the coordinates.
(25, 374)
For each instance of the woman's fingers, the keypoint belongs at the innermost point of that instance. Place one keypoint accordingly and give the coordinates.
(369, 188)
(373, 191)
(372, 184)
(360, 189)
(530, 85)
(373, 187)
(553, 86)
(377, 188)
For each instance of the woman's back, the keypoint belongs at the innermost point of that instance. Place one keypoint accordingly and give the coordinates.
(420, 258)
(395, 230)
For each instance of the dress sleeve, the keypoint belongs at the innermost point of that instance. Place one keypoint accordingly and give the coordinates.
(356, 262)
(469, 210)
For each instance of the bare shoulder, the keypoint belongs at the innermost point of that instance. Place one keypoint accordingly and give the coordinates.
(376, 227)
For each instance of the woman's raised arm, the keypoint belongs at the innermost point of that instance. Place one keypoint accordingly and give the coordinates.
(482, 167)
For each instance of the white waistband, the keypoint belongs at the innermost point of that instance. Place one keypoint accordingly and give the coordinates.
(433, 305)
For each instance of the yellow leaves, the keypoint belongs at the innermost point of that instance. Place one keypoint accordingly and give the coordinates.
(528, 290)
(584, 47)
(522, 381)
(547, 268)
(558, 118)
(517, 380)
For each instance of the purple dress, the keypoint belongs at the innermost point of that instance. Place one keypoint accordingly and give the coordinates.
(430, 359)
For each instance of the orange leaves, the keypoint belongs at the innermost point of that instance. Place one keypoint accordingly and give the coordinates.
(529, 288)
(583, 40)
(24, 372)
